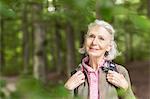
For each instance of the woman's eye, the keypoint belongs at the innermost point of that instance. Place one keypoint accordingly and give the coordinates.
(101, 38)
(91, 36)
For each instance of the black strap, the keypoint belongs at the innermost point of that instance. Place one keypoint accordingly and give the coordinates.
(110, 66)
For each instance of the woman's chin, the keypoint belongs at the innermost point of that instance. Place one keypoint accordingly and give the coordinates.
(94, 54)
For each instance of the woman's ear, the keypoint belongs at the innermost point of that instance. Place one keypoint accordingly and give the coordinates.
(109, 47)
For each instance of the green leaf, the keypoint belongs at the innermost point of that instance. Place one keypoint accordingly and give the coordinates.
(5, 11)
(120, 10)
(140, 22)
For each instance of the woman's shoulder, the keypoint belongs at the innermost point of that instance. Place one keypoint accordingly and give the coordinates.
(78, 68)
(121, 69)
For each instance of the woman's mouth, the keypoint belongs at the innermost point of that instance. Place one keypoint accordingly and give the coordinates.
(91, 48)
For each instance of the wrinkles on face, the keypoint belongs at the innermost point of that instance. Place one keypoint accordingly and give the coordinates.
(97, 41)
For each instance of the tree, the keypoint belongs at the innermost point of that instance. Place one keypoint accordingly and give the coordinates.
(58, 40)
(26, 39)
(70, 48)
(2, 47)
(6, 13)
(39, 68)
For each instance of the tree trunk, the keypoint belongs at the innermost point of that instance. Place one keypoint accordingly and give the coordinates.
(39, 44)
(70, 48)
(131, 47)
(127, 54)
(58, 43)
(2, 47)
(58, 48)
(82, 37)
(25, 38)
(97, 9)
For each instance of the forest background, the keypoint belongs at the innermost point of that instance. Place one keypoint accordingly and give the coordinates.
(39, 42)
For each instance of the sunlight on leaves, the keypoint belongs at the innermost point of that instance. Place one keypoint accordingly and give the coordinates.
(6, 11)
(18, 49)
(133, 1)
(49, 57)
(20, 35)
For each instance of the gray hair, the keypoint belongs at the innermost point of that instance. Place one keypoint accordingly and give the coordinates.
(113, 51)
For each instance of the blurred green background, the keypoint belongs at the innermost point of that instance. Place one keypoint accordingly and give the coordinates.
(39, 42)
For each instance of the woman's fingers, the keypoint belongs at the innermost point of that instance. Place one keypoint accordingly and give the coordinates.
(78, 73)
(79, 77)
(75, 80)
(117, 79)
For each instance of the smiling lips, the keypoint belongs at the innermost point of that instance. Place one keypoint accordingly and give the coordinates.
(91, 48)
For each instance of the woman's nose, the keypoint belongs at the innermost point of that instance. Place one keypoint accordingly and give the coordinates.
(95, 41)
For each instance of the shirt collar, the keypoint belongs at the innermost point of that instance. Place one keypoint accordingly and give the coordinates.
(85, 63)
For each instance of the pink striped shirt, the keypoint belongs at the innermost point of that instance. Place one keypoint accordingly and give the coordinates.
(92, 78)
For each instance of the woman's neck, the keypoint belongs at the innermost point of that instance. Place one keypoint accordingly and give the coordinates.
(95, 61)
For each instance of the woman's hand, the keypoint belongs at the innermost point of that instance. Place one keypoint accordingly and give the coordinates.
(117, 79)
(75, 80)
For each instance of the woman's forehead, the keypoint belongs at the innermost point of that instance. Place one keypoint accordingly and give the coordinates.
(97, 30)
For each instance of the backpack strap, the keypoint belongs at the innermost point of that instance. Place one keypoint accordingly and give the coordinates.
(109, 65)
(72, 73)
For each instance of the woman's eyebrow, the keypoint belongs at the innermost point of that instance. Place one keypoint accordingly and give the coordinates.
(100, 35)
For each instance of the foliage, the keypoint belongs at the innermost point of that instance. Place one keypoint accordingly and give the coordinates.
(6, 11)
(2, 85)
(129, 18)
(30, 88)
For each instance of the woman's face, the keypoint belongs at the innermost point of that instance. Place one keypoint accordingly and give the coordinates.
(97, 41)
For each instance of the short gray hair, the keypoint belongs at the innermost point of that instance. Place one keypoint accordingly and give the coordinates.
(113, 51)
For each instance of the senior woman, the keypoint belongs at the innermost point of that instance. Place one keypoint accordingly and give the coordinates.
(97, 77)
